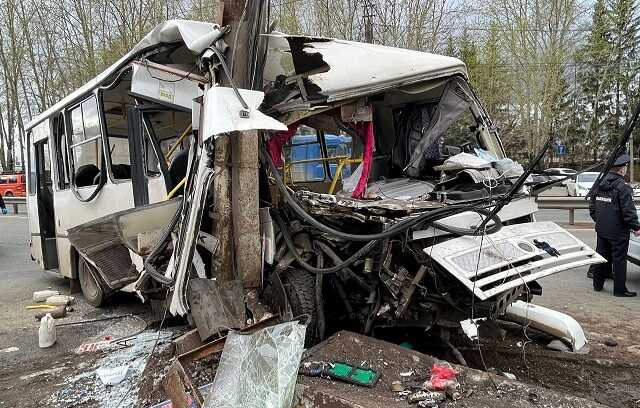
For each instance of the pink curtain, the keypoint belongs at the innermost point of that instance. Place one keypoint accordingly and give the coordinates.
(365, 131)
(276, 141)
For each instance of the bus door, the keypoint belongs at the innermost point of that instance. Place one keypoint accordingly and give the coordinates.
(45, 236)
(149, 172)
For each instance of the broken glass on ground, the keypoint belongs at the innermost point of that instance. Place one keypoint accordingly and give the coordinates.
(259, 369)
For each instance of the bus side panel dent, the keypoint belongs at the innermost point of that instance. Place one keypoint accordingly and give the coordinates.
(106, 242)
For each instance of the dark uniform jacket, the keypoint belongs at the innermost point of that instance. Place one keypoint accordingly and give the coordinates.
(612, 208)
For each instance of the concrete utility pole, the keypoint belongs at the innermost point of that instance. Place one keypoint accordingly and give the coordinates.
(237, 197)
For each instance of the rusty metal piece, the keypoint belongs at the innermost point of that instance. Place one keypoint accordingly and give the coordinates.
(178, 381)
(407, 292)
(216, 306)
(217, 345)
(176, 384)
(187, 342)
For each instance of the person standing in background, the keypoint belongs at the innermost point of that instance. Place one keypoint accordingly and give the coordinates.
(612, 209)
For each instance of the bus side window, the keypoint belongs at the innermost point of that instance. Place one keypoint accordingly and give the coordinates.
(116, 103)
(303, 156)
(86, 143)
(339, 146)
(60, 152)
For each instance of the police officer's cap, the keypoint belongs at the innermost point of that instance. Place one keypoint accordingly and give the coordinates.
(622, 160)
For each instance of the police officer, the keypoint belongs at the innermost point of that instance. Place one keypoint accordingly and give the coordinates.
(615, 216)
(3, 207)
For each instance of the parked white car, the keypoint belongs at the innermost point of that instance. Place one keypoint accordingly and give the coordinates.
(633, 254)
(560, 172)
(582, 184)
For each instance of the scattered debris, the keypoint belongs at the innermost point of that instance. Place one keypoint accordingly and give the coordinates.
(9, 349)
(47, 332)
(443, 377)
(558, 345)
(354, 375)
(60, 300)
(178, 384)
(273, 352)
(86, 388)
(42, 295)
(57, 312)
(43, 306)
(509, 375)
(215, 306)
(470, 327)
(396, 386)
(611, 342)
(417, 396)
(112, 375)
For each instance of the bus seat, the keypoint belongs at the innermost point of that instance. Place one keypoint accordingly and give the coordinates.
(121, 171)
(178, 167)
(86, 174)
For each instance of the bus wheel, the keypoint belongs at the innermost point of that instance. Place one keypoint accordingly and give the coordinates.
(300, 288)
(90, 284)
(8, 194)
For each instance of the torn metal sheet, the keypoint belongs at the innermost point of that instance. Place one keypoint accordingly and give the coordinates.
(470, 327)
(182, 257)
(216, 306)
(485, 264)
(109, 243)
(224, 112)
(549, 321)
(515, 209)
(195, 35)
(338, 203)
(401, 189)
(371, 69)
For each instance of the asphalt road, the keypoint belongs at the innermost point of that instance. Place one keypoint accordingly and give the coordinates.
(602, 315)
(19, 278)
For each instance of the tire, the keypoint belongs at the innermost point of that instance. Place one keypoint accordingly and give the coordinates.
(8, 194)
(90, 284)
(300, 288)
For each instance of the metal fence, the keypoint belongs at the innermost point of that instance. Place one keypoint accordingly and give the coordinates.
(567, 203)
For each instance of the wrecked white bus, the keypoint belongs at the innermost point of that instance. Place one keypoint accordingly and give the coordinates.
(386, 197)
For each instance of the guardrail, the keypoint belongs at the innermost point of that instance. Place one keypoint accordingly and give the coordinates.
(567, 203)
(15, 202)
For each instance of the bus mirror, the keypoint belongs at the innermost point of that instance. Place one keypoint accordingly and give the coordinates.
(223, 112)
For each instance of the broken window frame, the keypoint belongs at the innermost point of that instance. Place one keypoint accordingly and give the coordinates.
(103, 120)
(100, 158)
(324, 158)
